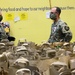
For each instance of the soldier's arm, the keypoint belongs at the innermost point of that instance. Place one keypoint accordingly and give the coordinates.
(67, 32)
(50, 37)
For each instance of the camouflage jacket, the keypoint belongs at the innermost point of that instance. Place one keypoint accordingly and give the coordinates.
(60, 31)
(2, 32)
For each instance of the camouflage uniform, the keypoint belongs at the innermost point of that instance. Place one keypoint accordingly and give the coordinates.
(60, 31)
(2, 33)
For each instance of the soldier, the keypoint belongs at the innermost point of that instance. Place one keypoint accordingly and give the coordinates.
(60, 31)
(2, 31)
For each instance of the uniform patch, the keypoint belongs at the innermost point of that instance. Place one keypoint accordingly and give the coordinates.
(66, 28)
(54, 29)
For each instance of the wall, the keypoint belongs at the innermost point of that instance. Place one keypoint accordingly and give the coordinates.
(33, 24)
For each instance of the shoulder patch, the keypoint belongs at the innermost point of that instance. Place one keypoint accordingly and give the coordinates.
(66, 28)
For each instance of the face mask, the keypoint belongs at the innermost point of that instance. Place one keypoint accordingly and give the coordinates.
(1, 17)
(52, 16)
